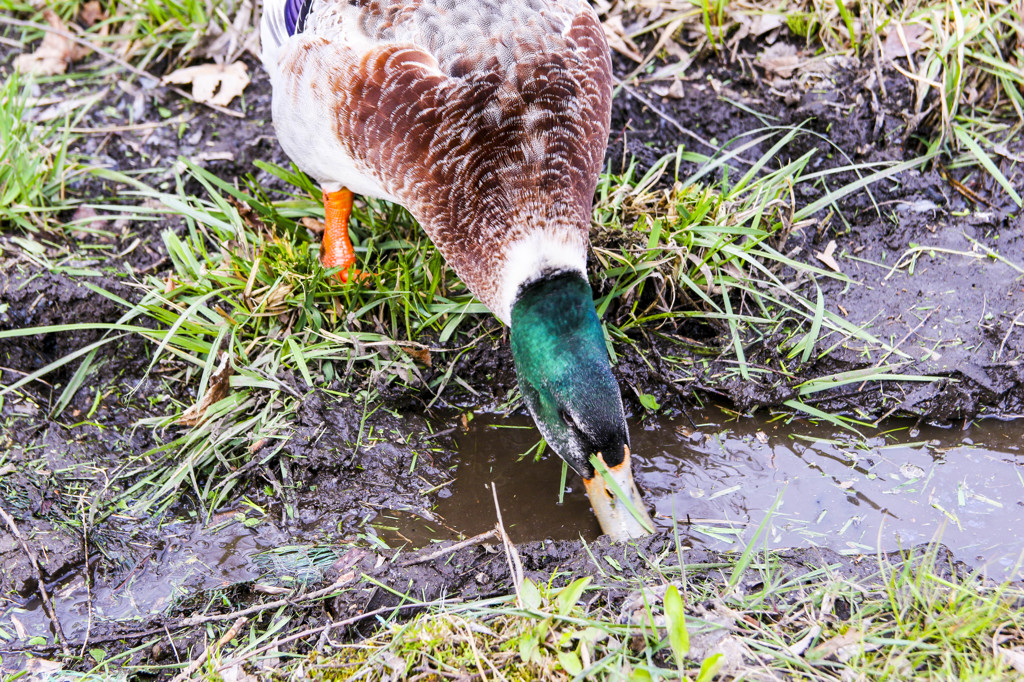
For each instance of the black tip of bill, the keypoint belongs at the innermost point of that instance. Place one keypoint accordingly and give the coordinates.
(616, 501)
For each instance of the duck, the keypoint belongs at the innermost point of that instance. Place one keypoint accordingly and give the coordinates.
(488, 121)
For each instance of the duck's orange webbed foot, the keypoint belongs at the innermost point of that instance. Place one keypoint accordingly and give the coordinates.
(336, 247)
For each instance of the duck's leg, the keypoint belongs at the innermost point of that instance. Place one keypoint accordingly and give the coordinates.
(336, 247)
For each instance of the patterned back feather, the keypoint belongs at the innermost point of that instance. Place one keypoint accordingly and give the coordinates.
(487, 119)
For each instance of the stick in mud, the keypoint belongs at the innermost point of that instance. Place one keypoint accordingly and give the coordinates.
(225, 638)
(468, 542)
(47, 604)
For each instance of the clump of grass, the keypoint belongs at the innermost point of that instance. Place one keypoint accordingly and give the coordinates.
(548, 634)
(717, 252)
(964, 61)
(248, 321)
(35, 160)
(157, 35)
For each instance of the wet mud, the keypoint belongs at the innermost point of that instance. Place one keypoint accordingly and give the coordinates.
(957, 316)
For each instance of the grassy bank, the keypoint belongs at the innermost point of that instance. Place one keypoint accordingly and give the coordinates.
(712, 269)
(649, 613)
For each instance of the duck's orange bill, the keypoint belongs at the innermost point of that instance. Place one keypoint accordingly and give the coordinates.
(336, 247)
(616, 517)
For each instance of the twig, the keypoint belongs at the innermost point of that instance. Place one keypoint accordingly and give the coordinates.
(201, 620)
(225, 638)
(117, 60)
(88, 582)
(129, 128)
(170, 640)
(515, 565)
(47, 604)
(1006, 337)
(331, 626)
(441, 434)
(475, 540)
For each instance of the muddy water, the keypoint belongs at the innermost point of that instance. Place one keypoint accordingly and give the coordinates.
(715, 479)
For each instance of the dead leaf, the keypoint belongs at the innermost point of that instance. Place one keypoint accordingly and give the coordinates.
(1013, 657)
(273, 590)
(54, 54)
(275, 300)
(618, 40)
(826, 257)
(799, 647)
(312, 224)
(42, 668)
(19, 628)
(220, 383)
(843, 647)
(764, 22)
(709, 278)
(420, 355)
(782, 59)
(212, 83)
(91, 12)
(675, 90)
(894, 46)
(86, 216)
(235, 673)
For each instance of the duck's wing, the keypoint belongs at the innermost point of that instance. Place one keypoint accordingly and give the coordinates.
(488, 120)
(281, 20)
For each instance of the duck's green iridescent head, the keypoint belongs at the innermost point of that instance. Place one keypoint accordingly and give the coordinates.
(564, 373)
(566, 380)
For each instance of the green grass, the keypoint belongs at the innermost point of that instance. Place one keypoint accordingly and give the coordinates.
(35, 160)
(966, 69)
(249, 310)
(910, 619)
(150, 35)
(38, 160)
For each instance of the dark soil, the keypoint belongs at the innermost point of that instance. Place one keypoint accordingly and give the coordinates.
(956, 316)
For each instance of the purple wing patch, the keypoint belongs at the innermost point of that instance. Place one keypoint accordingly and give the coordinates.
(295, 12)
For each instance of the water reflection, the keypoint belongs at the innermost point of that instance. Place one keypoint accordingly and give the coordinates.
(891, 488)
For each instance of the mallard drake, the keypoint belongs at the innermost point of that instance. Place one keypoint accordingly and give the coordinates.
(488, 121)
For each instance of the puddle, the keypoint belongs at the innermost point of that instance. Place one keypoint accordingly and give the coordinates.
(892, 489)
(527, 490)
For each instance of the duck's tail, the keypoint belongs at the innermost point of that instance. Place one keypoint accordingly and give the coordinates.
(281, 20)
